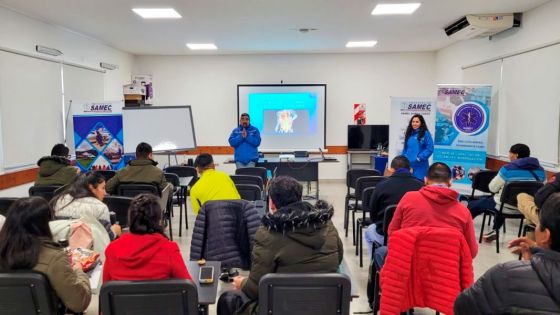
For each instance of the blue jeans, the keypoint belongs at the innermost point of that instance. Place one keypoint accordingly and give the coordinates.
(370, 236)
(241, 165)
(477, 207)
(379, 256)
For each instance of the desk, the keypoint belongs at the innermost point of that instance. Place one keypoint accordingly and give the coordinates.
(303, 169)
(207, 292)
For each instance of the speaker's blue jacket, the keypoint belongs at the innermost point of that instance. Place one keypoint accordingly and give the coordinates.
(246, 149)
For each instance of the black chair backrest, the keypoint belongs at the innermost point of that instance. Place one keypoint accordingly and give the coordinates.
(366, 196)
(46, 192)
(173, 179)
(162, 297)
(120, 206)
(248, 179)
(133, 190)
(512, 189)
(387, 218)
(107, 174)
(364, 182)
(183, 171)
(249, 192)
(5, 204)
(353, 175)
(299, 294)
(255, 171)
(481, 180)
(25, 293)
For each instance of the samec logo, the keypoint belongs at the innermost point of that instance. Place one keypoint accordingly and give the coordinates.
(98, 108)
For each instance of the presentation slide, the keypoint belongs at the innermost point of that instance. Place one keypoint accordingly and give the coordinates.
(289, 117)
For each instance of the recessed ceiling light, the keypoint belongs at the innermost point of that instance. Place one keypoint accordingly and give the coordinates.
(395, 8)
(366, 44)
(163, 13)
(205, 46)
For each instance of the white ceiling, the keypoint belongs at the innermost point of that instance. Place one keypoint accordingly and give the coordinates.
(262, 26)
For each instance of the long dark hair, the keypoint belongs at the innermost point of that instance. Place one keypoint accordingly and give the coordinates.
(79, 188)
(421, 130)
(23, 233)
(144, 215)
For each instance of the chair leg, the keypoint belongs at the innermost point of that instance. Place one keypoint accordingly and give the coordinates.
(482, 227)
(180, 216)
(376, 294)
(520, 227)
(170, 226)
(498, 240)
(346, 201)
(353, 227)
(185, 194)
(504, 227)
(361, 249)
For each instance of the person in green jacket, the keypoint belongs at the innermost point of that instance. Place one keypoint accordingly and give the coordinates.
(26, 243)
(295, 237)
(56, 169)
(143, 170)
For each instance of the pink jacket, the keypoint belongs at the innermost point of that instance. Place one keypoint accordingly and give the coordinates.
(425, 267)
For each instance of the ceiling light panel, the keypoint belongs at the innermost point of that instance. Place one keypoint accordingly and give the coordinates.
(202, 46)
(395, 8)
(161, 13)
(363, 44)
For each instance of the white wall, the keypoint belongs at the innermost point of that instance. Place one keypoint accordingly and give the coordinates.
(209, 84)
(539, 26)
(22, 33)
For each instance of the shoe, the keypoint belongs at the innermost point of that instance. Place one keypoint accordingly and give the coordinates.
(490, 237)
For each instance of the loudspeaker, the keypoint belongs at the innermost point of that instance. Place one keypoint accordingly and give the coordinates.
(300, 154)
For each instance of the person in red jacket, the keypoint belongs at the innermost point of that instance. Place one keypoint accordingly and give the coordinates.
(145, 253)
(435, 205)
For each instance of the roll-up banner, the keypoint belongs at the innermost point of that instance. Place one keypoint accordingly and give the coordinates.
(402, 110)
(462, 119)
(98, 135)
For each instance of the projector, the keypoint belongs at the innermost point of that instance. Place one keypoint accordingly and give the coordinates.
(287, 157)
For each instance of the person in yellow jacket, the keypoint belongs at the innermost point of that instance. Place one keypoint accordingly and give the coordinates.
(212, 184)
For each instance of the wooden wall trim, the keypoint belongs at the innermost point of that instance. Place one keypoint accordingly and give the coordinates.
(17, 178)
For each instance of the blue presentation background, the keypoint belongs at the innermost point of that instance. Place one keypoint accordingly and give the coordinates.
(83, 124)
(260, 102)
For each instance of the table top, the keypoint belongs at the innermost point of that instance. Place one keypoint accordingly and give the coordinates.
(207, 292)
(297, 160)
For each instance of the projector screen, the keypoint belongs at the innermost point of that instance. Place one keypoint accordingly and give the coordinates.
(165, 128)
(289, 117)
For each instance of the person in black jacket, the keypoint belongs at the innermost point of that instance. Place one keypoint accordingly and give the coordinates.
(529, 286)
(386, 193)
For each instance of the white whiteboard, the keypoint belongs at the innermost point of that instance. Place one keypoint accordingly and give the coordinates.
(30, 103)
(527, 100)
(165, 128)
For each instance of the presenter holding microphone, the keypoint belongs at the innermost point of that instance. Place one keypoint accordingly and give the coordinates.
(245, 140)
(418, 146)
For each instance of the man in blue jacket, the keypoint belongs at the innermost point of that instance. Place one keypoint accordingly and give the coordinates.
(245, 140)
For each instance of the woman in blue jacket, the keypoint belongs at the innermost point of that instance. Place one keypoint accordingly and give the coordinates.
(418, 146)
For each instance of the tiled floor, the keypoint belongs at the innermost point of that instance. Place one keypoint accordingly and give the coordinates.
(334, 192)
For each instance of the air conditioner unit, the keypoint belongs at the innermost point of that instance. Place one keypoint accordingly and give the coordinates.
(482, 25)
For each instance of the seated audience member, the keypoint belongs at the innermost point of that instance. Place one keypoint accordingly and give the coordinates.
(26, 244)
(529, 205)
(143, 170)
(389, 192)
(84, 197)
(145, 253)
(521, 168)
(56, 169)
(529, 286)
(435, 205)
(296, 237)
(212, 184)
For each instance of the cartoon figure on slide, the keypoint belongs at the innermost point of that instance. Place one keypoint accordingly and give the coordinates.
(285, 121)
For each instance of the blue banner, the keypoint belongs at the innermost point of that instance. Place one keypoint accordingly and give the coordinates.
(462, 119)
(98, 136)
